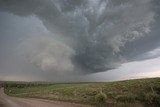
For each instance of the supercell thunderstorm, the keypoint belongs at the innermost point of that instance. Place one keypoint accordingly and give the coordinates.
(86, 35)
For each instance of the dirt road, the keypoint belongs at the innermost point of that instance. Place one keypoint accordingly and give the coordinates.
(7, 101)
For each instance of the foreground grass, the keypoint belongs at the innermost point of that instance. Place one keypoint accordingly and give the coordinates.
(129, 93)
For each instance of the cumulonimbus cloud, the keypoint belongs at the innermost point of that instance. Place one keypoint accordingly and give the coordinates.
(98, 32)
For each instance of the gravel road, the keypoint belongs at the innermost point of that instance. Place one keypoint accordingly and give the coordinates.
(7, 101)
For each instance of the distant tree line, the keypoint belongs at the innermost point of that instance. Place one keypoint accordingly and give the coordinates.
(23, 84)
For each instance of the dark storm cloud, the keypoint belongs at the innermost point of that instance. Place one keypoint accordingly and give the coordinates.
(94, 35)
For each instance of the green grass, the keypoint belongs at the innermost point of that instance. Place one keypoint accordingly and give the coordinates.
(130, 92)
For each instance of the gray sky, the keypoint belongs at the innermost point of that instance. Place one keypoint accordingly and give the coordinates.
(82, 40)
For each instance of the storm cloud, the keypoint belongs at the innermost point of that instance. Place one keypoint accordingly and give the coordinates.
(88, 35)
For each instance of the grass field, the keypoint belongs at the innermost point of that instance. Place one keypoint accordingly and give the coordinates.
(129, 93)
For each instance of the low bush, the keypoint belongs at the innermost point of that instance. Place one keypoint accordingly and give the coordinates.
(126, 98)
(101, 98)
(141, 97)
(152, 99)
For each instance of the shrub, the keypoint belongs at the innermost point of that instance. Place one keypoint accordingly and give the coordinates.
(101, 98)
(111, 94)
(141, 97)
(152, 98)
(126, 98)
(156, 88)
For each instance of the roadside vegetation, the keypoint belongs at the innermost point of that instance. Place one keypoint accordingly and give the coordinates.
(128, 93)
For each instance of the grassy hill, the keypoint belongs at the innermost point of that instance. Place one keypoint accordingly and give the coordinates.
(128, 93)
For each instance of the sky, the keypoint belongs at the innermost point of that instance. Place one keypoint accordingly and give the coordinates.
(79, 40)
